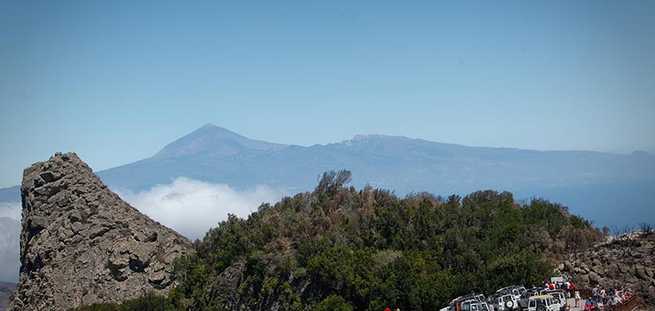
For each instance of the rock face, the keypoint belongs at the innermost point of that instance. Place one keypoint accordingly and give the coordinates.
(81, 244)
(626, 262)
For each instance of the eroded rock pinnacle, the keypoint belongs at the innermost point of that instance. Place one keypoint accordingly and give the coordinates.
(81, 244)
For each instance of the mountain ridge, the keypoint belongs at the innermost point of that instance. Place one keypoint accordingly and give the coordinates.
(215, 154)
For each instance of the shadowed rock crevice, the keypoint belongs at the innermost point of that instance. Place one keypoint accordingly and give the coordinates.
(81, 244)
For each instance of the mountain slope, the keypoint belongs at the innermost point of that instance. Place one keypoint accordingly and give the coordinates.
(588, 182)
(339, 248)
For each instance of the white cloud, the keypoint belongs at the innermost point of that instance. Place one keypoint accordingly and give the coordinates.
(191, 207)
(11, 210)
(9, 249)
(10, 215)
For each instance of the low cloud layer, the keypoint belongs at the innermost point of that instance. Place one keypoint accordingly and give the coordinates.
(9, 241)
(191, 207)
(11, 210)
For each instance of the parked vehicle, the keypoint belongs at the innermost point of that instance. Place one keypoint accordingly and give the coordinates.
(506, 302)
(543, 303)
(474, 305)
(515, 291)
(481, 298)
(468, 303)
(525, 297)
(558, 295)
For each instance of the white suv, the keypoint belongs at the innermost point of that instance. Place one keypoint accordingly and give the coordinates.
(506, 303)
(543, 303)
(559, 297)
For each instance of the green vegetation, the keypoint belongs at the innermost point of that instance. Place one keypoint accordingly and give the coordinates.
(338, 248)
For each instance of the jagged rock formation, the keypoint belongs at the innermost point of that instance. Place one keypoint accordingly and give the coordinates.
(81, 244)
(626, 262)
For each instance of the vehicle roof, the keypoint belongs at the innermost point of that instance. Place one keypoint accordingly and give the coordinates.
(541, 297)
(466, 297)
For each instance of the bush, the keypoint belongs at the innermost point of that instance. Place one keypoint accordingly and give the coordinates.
(338, 248)
(333, 303)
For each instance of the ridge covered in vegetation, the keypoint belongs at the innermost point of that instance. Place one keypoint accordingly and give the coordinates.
(339, 248)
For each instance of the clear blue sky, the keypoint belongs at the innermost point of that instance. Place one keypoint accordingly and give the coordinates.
(115, 80)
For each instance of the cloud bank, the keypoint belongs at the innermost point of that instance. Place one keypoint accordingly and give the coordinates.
(11, 210)
(191, 207)
(10, 214)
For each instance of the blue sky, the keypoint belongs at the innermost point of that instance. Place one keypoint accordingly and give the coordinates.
(116, 80)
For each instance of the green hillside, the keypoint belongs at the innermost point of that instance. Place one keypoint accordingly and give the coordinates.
(339, 248)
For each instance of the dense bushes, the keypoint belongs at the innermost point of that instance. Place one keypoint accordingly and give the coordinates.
(338, 248)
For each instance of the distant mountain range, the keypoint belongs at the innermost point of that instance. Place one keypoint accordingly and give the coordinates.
(611, 189)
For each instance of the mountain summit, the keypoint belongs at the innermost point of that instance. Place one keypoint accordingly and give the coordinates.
(213, 140)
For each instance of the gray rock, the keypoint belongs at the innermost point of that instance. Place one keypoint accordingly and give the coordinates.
(625, 262)
(594, 278)
(81, 244)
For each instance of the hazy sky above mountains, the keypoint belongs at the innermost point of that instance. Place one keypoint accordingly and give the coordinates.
(116, 81)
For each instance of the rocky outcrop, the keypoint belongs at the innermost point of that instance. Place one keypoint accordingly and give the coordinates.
(81, 244)
(625, 262)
